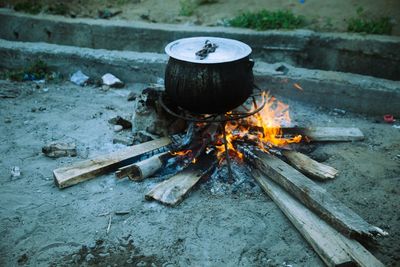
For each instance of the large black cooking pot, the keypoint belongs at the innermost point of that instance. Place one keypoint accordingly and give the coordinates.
(216, 80)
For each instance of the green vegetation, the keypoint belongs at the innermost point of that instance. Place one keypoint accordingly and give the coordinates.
(187, 7)
(265, 20)
(363, 24)
(58, 9)
(29, 7)
(37, 71)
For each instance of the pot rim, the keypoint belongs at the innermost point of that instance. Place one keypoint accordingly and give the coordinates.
(228, 50)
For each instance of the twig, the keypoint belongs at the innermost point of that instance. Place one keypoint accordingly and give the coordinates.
(109, 225)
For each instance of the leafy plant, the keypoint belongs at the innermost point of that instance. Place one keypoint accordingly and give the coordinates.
(37, 71)
(29, 7)
(364, 24)
(58, 9)
(264, 20)
(187, 7)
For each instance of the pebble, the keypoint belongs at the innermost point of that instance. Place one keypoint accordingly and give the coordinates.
(7, 120)
(112, 81)
(131, 96)
(89, 257)
(123, 141)
(15, 171)
(118, 128)
(59, 149)
(103, 255)
(118, 120)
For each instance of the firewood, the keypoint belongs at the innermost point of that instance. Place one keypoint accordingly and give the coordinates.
(143, 169)
(325, 134)
(172, 191)
(87, 169)
(310, 167)
(314, 197)
(333, 248)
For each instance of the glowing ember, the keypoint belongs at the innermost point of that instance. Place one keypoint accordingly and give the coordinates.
(263, 128)
(181, 153)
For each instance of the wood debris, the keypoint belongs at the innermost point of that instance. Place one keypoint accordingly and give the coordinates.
(310, 167)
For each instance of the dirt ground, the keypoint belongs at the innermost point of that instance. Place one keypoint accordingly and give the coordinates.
(320, 15)
(41, 225)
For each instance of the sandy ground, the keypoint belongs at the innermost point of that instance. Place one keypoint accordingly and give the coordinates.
(320, 15)
(41, 225)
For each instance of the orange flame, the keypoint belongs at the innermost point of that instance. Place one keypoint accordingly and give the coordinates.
(269, 121)
(181, 153)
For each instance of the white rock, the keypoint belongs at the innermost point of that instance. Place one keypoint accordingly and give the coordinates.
(111, 80)
(79, 78)
(118, 128)
(15, 171)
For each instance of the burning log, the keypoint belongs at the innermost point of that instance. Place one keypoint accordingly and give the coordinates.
(313, 196)
(143, 169)
(333, 248)
(310, 167)
(87, 169)
(172, 191)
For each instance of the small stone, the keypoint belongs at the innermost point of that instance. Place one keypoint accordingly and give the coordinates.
(132, 96)
(123, 141)
(105, 87)
(79, 78)
(118, 128)
(59, 149)
(118, 120)
(129, 261)
(7, 120)
(103, 255)
(141, 264)
(112, 81)
(15, 171)
(89, 257)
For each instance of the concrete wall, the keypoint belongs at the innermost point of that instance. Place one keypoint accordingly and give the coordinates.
(373, 55)
(351, 92)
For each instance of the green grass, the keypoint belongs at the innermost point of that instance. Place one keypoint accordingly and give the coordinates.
(58, 9)
(370, 26)
(364, 24)
(29, 7)
(265, 20)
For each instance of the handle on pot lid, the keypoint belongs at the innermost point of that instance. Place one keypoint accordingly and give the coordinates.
(220, 50)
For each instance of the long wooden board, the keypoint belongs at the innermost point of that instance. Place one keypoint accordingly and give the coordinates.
(87, 169)
(310, 167)
(333, 248)
(315, 197)
(326, 134)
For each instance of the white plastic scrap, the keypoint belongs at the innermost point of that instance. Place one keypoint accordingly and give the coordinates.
(79, 78)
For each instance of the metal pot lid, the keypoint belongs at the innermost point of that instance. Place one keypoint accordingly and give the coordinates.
(207, 50)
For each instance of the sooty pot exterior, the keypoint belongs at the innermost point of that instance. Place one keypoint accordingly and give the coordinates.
(209, 88)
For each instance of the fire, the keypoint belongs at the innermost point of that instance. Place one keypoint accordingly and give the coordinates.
(263, 128)
(181, 153)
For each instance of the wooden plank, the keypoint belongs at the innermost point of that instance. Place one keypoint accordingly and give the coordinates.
(319, 234)
(87, 169)
(324, 134)
(172, 191)
(310, 167)
(315, 197)
(333, 248)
